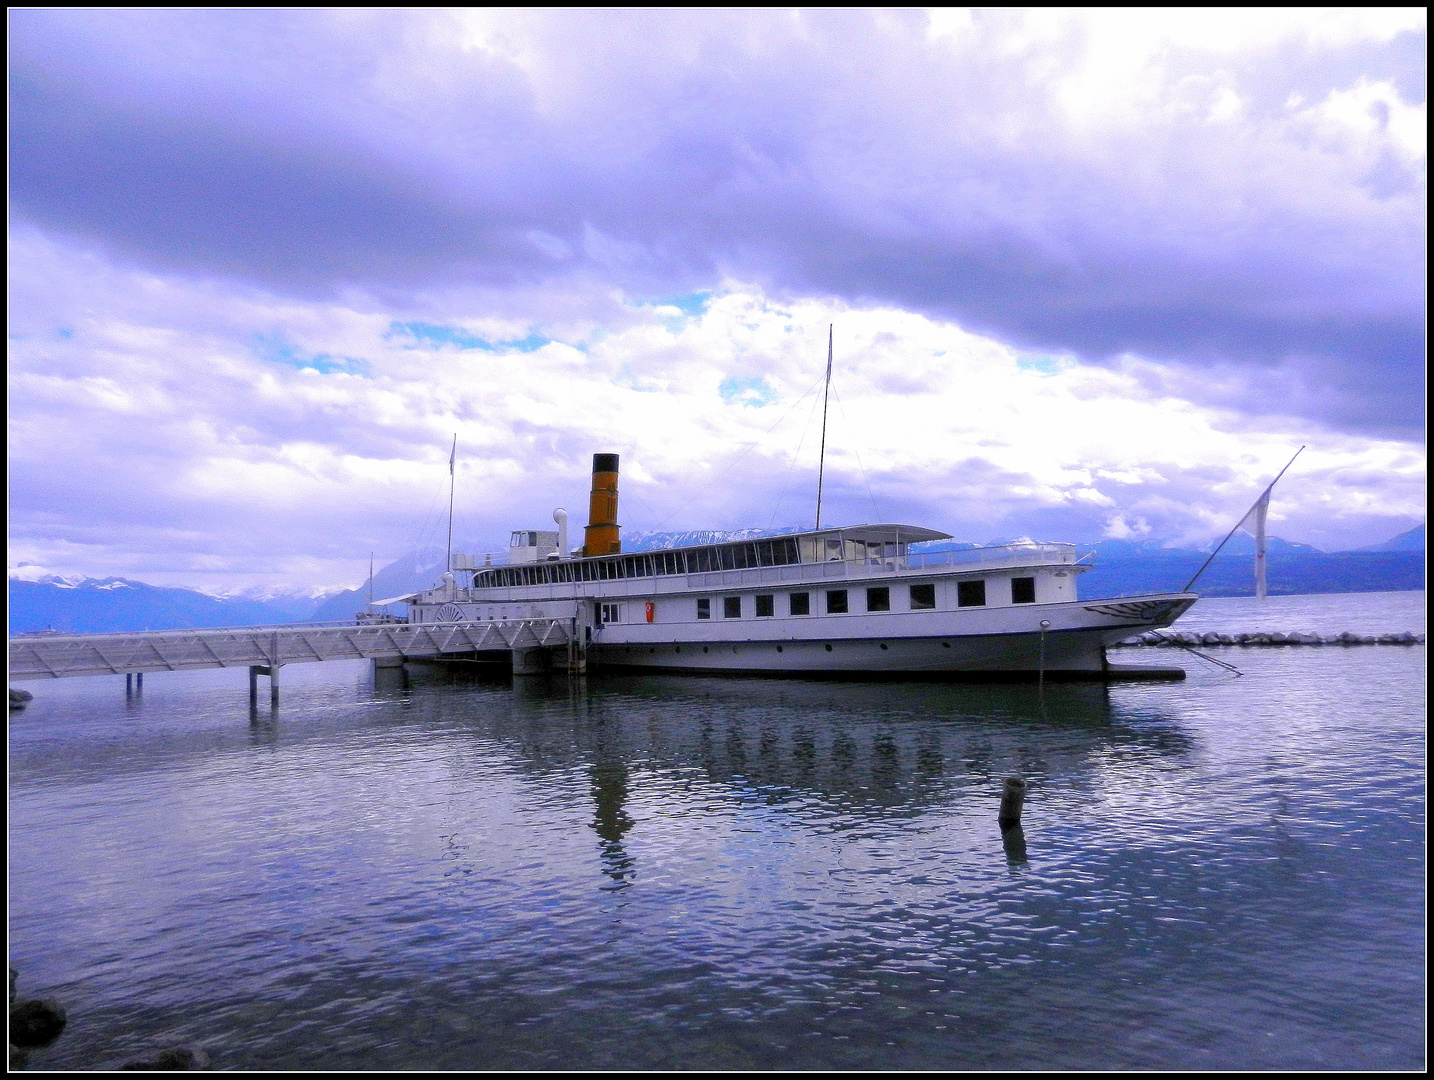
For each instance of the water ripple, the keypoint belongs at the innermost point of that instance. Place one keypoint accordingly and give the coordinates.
(693, 873)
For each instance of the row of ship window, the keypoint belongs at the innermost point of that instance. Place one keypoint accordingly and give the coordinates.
(878, 598)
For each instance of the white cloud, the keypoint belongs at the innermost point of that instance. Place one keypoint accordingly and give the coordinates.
(219, 467)
(1371, 112)
(1079, 181)
(1233, 200)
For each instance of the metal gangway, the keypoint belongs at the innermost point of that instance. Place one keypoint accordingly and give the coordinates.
(534, 643)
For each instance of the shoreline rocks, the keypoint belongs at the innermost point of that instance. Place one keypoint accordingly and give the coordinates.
(1189, 638)
(171, 1058)
(34, 1024)
(37, 1022)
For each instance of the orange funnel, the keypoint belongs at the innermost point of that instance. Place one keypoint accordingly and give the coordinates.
(600, 537)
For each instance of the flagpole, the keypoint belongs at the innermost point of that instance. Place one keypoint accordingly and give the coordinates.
(1232, 532)
(448, 562)
(822, 460)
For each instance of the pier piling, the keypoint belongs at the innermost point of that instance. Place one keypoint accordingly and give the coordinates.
(389, 673)
(531, 661)
(271, 670)
(1013, 797)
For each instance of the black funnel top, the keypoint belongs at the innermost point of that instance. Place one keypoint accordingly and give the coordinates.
(604, 463)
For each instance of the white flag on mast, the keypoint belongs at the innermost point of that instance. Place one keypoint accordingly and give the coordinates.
(1254, 524)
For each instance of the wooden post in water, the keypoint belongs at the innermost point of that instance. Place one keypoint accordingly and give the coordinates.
(1012, 799)
(1041, 668)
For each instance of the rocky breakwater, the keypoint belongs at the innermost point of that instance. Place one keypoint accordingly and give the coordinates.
(1189, 638)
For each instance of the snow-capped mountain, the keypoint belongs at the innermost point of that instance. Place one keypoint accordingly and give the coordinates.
(284, 593)
(662, 541)
(97, 605)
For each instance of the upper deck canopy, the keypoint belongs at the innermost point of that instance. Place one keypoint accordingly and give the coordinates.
(815, 546)
(880, 534)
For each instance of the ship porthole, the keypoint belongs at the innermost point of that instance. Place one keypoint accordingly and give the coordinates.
(677, 648)
(779, 648)
(704, 648)
(883, 645)
(829, 648)
(946, 644)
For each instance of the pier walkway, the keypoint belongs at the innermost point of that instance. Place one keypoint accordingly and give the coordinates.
(266, 649)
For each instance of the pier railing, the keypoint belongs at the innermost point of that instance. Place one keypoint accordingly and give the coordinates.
(262, 627)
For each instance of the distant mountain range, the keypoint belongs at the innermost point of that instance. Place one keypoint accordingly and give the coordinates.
(1232, 574)
(1122, 568)
(1412, 540)
(99, 605)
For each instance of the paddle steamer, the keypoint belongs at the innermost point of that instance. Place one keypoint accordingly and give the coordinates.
(858, 600)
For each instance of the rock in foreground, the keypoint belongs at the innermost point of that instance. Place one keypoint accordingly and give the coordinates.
(173, 1057)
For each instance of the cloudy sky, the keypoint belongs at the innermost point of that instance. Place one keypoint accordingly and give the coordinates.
(1091, 274)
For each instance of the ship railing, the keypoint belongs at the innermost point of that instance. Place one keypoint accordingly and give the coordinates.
(994, 557)
(998, 555)
(975, 559)
(483, 560)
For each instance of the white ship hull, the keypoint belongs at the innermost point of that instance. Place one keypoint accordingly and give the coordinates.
(933, 644)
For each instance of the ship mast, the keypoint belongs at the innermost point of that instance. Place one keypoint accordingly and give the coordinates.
(822, 461)
(448, 561)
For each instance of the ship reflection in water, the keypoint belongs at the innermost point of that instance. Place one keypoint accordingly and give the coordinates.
(812, 748)
(683, 872)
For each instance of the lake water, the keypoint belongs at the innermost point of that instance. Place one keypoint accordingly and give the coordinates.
(684, 872)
